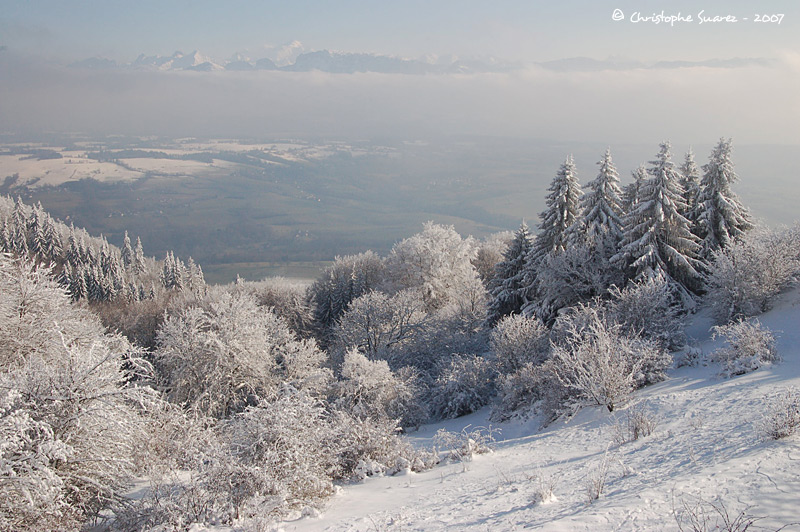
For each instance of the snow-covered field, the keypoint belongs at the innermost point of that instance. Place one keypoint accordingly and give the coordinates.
(72, 167)
(706, 449)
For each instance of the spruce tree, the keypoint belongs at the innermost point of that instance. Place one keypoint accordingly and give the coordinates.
(507, 283)
(630, 196)
(719, 215)
(127, 252)
(657, 240)
(601, 222)
(690, 181)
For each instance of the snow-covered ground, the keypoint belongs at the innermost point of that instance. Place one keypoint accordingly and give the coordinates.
(707, 446)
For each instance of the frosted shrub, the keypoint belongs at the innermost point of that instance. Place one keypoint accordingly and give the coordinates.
(219, 357)
(750, 346)
(462, 446)
(379, 325)
(465, 384)
(744, 278)
(288, 299)
(600, 363)
(645, 308)
(517, 341)
(70, 415)
(782, 418)
(370, 389)
(532, 388)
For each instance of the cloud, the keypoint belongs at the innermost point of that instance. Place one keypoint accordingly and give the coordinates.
(753, 103)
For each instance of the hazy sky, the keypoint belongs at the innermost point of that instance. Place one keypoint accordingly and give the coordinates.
(751, 103)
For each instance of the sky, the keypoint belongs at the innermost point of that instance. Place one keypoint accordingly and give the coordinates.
(756, 103)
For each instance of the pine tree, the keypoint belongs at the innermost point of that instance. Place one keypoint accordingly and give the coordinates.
(52, 236)
(601, 223)
(562, 211)
(507, 284)
(719, 215)
(657, 240)
(555, 228)
(127, 252)
(690, 181)
(139, 265)
(630, 196)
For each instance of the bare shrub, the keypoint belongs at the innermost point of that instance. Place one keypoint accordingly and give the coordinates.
(596, 479)
(750, 346)
(701, 515)
(637, 423)
(463, 446)
(782, 418)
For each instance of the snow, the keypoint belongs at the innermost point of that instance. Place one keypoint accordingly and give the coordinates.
(72, 167)
(706, 446)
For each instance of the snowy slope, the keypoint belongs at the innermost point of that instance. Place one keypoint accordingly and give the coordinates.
(707, 444)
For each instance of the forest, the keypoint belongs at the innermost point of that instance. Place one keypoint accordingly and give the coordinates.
(243, 403)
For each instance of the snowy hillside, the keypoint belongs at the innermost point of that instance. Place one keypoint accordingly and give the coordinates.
(707, 449)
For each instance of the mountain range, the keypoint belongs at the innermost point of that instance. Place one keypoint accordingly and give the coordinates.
(350, 63)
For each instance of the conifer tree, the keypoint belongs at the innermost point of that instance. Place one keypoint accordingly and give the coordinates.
(554, 235)
(719, 215)
(657, 240)
(601, 224)
(690, 181)
(630, 196)
(138, 255)
(507, 284)
(127, 252)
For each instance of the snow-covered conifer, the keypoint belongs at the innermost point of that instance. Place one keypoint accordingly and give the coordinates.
(630, 195)
(658, 239)
(601, 225)
(507, 283)
(690, 181)
(720, 216)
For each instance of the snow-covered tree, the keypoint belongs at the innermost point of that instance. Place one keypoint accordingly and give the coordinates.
(720, 217)
(601, 224)
(658, 240)
(563, 209)
(127, 252)
(380, 326)
(348, 278)
(690, 181)
(490, 252)
(630, 194)
(506, 286)
(437, 262)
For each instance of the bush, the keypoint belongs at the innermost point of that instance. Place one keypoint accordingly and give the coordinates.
(783, 415)
(518, 341)
(600, 363)
(465, 384)
(463, 446)
(534, 387)
(71, 409)
(744, 278)
(370, 389)
(647, 309)
(750, 346)
(220, 357)
(638, 423)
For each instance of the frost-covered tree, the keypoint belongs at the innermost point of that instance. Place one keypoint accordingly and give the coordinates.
(490, 253)
(519, 340)
(690, 181)
(464, 384)
(630, 194)
(126, 254)
(437, 262)
(744, 278)
(573, 276)
(381, 326)
(719, 216)
(507, 284)
(658, 240)
(601, 224)
(563, 209)
(70, 405)
(348, 278)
